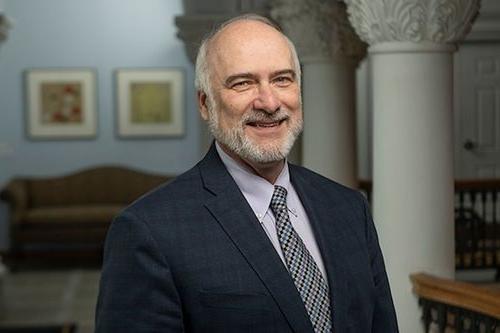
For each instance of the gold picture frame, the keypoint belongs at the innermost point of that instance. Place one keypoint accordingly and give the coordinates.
(150, 102)
(61, 104)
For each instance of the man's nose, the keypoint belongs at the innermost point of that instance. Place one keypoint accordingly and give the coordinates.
(267, 100)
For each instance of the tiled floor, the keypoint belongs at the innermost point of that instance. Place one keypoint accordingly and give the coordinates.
(50, 297)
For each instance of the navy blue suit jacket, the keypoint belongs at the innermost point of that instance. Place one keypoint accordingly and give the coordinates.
(192, 257)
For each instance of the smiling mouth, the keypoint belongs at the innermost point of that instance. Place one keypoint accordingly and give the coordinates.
(266, 124)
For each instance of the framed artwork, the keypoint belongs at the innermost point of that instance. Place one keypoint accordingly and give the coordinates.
(61, 103)
(150, 102)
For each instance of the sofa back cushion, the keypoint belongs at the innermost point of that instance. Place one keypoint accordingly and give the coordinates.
(101, 185)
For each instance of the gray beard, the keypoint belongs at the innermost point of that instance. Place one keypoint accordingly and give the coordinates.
(236, 140)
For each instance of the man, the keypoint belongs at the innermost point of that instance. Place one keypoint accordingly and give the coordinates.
(244, 241)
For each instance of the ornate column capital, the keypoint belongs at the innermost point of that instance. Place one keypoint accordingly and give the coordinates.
(320, 29)
(4, 26)
(436, 21)
(200, 17)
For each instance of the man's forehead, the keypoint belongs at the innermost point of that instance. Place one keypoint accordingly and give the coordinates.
(245, 44)
(246, 28)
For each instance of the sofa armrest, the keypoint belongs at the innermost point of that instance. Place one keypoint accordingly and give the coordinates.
(15, 195)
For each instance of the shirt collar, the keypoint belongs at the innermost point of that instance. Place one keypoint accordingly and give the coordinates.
(257, 190)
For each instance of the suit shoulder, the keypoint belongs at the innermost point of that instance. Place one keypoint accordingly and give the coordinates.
(331, 191)
(183, 188)
(321, 181)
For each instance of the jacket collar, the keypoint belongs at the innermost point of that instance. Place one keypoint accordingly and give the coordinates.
(230, 209)
(328, 214)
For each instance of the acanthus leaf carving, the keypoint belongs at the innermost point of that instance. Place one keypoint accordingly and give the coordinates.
(438, 21)
(319, 28)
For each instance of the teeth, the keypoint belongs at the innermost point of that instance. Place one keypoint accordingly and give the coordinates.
(263, 124)
(267, 125)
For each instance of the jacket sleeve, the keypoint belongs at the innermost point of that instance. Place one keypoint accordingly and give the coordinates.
(384, 316)
(137, 291)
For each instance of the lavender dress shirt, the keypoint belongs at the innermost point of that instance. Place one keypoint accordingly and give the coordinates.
(258, 193)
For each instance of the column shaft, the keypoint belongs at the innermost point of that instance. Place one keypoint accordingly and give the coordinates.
(329, 120)
(413, 166)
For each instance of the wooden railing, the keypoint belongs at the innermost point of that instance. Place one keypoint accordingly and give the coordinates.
(452, 306)
(477, 223)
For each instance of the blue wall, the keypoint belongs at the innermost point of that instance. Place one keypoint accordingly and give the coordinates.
(104, 35)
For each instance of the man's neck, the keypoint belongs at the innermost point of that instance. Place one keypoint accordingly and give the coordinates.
(268, 171)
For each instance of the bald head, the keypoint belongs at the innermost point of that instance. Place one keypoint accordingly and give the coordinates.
(224, 42)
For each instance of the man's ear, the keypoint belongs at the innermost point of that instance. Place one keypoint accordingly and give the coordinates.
(202, 104)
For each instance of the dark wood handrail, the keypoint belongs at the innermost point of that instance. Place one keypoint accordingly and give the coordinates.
(459, 294)
(462, 184)
(477, 184)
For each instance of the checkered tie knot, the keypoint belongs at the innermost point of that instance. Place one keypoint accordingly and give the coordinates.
(304, 271)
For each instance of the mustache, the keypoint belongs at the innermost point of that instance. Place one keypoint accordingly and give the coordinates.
(263, 116)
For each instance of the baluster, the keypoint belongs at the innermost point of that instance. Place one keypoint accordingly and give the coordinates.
(451, 320)
(475, 322)
(459, 321)
(482, 196)
(426, 313)
(461, 201)
(496, 229)
(468, 237)
(459, 226)
(485, 244)
(491, 230)
(476, 235)
(441, 316)
(467, 322)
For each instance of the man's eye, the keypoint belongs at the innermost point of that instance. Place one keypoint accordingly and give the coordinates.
(283, 81)
(241, 85)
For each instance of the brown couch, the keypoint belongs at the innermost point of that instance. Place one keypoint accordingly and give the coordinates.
(69, 215)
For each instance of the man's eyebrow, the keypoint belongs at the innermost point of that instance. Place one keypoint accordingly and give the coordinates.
(235, 77)
(285, 71)
(238, 76)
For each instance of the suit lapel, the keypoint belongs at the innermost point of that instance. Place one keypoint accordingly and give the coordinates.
(232, 212)
(329, 227)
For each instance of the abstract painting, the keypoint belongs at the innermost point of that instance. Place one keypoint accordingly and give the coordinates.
(150, 102)
(61, 103)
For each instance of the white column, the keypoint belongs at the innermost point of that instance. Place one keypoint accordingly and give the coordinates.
(411, 59)
(329, 51)
(413, 167)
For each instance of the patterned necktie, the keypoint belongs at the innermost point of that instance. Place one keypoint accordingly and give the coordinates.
(304, 271)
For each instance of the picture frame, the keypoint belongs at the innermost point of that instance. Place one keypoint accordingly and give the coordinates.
(61, 104)
(150, 103)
